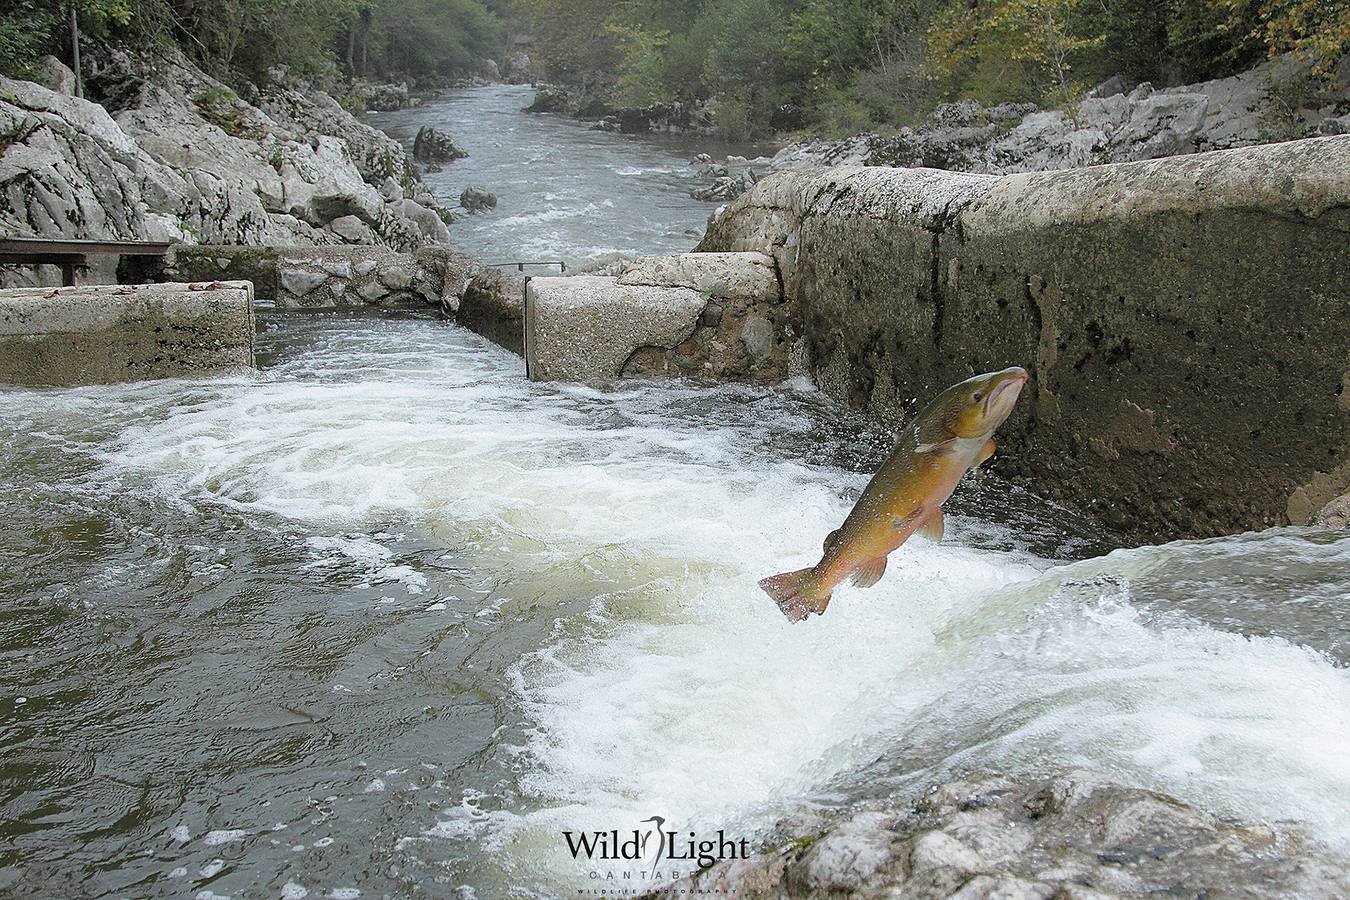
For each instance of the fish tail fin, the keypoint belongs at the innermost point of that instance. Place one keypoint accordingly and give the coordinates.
(796, 594)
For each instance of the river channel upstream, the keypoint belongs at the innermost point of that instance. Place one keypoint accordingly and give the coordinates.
(384, 619)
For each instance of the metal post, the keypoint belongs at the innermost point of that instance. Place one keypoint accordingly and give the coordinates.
(525, 327)
(75, 48)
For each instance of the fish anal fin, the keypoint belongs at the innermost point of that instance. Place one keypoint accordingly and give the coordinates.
(870, 572)
(985, 452)
(933, 527)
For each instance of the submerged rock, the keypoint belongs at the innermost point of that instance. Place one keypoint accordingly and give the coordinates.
(1073, 836)
(433, 145)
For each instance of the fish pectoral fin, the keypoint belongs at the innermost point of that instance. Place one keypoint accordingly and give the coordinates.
(870, 572)
(831, 539)
(933, 527)
(985, 452)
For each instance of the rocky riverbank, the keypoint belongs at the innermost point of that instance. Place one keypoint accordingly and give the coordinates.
(169, 153)
(1078, 836)
(668, 118)
(1116, 122)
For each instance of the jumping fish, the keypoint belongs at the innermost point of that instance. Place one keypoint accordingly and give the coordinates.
(951, 436)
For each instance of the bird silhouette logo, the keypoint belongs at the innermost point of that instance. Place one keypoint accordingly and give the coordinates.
(660, 821)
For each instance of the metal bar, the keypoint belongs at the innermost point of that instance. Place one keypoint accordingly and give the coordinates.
(40, 259)
(43, 245)
(525, 327)
(75, 45)
(521, 264)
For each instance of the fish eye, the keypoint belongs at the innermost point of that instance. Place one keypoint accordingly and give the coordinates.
(977, 396)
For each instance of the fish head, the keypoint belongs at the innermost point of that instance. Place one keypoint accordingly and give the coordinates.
(977, 406)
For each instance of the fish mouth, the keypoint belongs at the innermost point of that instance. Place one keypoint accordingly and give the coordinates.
(1006, 391)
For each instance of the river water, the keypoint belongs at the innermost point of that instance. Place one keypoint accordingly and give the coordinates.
(384, 619)
(564, 190)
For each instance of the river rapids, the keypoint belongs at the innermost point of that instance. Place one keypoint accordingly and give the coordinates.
(386, 619)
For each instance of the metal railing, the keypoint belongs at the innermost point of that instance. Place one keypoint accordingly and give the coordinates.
(521, 264)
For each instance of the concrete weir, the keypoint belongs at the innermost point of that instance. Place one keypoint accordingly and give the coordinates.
(101, 334)
(1186, 320)
(716, 315)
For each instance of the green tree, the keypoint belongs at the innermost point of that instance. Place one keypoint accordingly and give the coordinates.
(1036, 37)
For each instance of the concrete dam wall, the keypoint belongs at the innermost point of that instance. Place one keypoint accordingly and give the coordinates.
(1186, 320)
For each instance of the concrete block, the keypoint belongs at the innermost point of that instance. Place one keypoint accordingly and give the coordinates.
(587, 326)
(102, 334)
(746, 276)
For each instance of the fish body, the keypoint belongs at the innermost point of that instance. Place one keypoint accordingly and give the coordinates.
(952, 435)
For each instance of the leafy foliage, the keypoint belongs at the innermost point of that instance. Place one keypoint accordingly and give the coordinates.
(841, 65)
(241, 40)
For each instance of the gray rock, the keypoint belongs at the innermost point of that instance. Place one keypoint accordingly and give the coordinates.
(390, 190)
(398, 275)
(476, 199)
(56, 76)
(186, 159)
(352, 230)
(435, 146)
(1087, 838)
(1116, 84)
(1335, 514)
(427, 221)
(299, 282)
(847, 856)
(757, 334)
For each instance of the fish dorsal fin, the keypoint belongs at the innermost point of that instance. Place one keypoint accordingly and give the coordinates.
(831, 539)
(933, 527)
(870, 572)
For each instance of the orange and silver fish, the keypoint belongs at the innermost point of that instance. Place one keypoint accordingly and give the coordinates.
(952, 435)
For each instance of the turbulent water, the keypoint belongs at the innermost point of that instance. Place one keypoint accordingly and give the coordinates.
(565, 191)
(386, 619)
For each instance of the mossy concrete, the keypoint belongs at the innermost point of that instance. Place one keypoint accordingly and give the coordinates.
(111, 333)
(1186, 320)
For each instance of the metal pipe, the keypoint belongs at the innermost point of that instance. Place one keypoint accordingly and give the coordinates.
(75, 48)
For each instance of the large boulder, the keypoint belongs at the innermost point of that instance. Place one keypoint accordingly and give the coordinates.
(435, 146)
(1075, 835)
(476, 199)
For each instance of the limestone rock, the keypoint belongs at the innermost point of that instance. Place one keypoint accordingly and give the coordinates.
(431, 226)
(1335, 514)
(352, 230)
(435, 146)
(1086, 837)
(476, 199)
(56, 76)
(299, 282)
